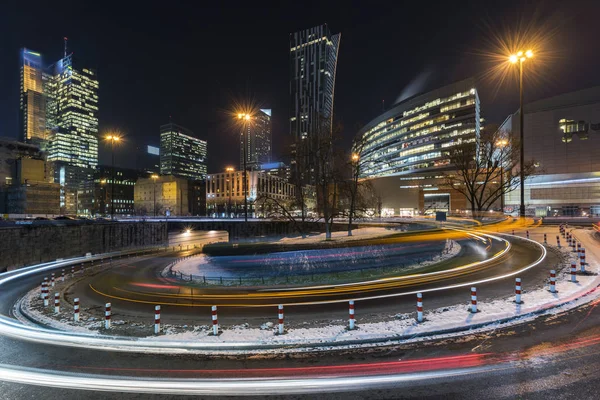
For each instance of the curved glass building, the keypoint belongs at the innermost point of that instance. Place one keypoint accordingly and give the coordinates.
(407, 147)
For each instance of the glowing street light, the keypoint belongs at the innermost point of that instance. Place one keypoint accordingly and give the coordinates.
(112, 138)
(520, 57)
(245, 120)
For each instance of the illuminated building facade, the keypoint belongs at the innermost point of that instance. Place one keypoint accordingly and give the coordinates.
(225, 193)
(123, 200)
(181, 154)
(257, 141)
(562, 137)
(313, 63)
(168, 195)
(407, 148)
(72, 96)
(32, 105)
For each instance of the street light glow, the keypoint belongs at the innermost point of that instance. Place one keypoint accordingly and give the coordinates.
(229, 169)
(520, 56)
(355, 157)
(114, 138)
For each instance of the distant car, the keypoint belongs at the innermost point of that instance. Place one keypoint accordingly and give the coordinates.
(41, 219)
(63, 218)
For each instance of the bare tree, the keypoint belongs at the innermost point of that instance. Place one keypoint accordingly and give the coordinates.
(485, 170)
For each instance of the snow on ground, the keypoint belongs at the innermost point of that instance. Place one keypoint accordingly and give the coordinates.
(342, 236)
(448, 321)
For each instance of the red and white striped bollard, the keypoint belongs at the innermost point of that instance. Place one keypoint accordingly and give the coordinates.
(518, 290)
(215, 321)
(419, 307)
(52, 280)
(558, 241)
(573, 272)
(156, 320)
(280, 318)
(473, 299)
(76, 309)
(56, 303)
(545, 239)
(553, 281)
(351, 315)
(107, 309)
(46, 295)
(62, 275)
(582, 259)
(44, 283)
(527, 233)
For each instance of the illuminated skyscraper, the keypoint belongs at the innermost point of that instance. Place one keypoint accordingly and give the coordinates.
(181, 154)
(32, 106)
(258, 143)
(72, 104)
(313, 61)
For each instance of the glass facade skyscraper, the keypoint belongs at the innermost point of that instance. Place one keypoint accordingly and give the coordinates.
(258, 143)
(181, 154)
(313, 63)
(32, 104)
(72, 103)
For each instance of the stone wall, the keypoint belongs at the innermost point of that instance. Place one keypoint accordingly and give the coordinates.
(30, 244)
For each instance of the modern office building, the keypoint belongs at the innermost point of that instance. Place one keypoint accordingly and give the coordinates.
(168, 195)
(32, 104)
(72, 113)
(123, 190)
(182, 154)
(313, 63)
(148, 158)
(225, 193)
(562, 137)
(278, 169)
(76, 188)
(257, 141)
(406, 150)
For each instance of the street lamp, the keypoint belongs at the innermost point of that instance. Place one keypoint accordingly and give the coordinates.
(230, 180)
(355, 172)
(520, 57)
(112, 138)
(245, 118)
(103, 188)
(502, 143)
(154, 178)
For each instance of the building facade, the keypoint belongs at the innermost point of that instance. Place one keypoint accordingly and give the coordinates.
(168, 195)
(121, 196)
(278, 169)
(182, 154)
(32, 104)
(257, 141)
(225, 193)
(313, 64)
(406, 149)
(562, 137)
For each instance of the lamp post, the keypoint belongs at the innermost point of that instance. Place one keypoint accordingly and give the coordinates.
(355, 171)
(245, 120)
(103, 188)
(502, 144)
(229, 170)
(521, 57)
(112, 138)
(154, 178)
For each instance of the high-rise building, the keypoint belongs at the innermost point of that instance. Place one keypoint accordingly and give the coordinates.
(257, 141)
(181, 154)
(313, 61)
(72, 116)
(32, 105)
(121, 195)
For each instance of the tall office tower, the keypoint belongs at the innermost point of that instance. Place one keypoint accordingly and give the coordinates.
(32, 107)
(181, 154)
(313, 61)
(257, 141)
(72, 104)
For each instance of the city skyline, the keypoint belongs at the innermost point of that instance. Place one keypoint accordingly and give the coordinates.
(361, 85)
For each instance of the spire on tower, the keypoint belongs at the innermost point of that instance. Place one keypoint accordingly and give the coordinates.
(65, 39)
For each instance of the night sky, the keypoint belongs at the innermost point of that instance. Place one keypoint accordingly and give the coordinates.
(194, 63)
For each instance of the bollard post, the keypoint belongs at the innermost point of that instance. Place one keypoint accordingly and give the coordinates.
(553, 281)
(56, 303)
(73, 270)
(43, 287)
(473, 299)
(351, 315)
(518, 290)
(215, 321)
(419, 307)
(107, 315)
(527, 233)
(82, 268)
(62, 275)
(280, 317)
(558, 241)
(52, 280)
(76, 309)
(46, 294)
(582, 259)
(513, 232)
(156, 320)
(573, 272)
(545, 239)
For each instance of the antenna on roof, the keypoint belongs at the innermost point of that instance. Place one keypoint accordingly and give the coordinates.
(65, 39)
